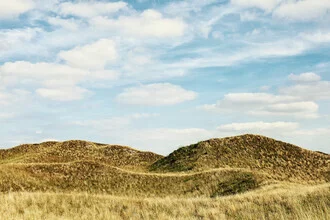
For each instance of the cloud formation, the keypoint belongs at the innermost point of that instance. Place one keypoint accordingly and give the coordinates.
(90, 9)
(257, 127)
(155, 94)
(13, 8)
(296, 10)
(63, 94)
(305, 77)
(260, 65)
(150, 23)
(315, 89)
(297, 101)
(92, 56)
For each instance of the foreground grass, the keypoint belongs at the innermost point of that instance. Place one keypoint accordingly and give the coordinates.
(284, 201)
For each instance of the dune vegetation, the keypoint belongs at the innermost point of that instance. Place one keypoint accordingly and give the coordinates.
(242, 177)
(283, 201)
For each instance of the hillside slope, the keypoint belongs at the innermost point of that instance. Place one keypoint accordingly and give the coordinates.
(210, 168)
(282, 161)
(94, 177)
(118, 170)
(76, 150)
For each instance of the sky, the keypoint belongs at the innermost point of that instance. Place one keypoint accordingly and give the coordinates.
(156, 75)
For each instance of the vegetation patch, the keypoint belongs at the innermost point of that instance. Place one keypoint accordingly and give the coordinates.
(71, 179)
(171, 162)
(282, 161)
(236, 184)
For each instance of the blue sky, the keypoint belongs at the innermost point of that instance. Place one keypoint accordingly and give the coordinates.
(156, 75)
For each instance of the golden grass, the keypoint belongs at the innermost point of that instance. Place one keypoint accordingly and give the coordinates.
(84, 180)
(288, 201)
(76, 150)
(87, 176)
(282, 161)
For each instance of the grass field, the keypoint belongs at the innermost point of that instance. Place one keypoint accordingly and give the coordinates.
(244, 177)
(283, 201)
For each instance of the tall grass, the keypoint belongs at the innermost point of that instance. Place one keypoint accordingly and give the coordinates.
(270, 202)
(85, 180)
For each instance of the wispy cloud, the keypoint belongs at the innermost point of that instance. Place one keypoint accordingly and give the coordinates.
(156, 94)
(108, 65)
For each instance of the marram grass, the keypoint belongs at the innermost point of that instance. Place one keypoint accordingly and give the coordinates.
(243, 177)
(271, 202)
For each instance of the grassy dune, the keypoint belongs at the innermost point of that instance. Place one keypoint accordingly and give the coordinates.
(284, 201)
(76, 150)
(243, 177)
(86, 176)
(281, 160)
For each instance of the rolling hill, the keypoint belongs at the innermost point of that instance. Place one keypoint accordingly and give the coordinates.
(281, 161)
(209, 168)
(242, 177)
(76, 150)
(99, 168)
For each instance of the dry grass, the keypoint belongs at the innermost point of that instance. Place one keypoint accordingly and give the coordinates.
(281, 160)
(264, 178)
(271, 202)
(76, 150)
(95, 177)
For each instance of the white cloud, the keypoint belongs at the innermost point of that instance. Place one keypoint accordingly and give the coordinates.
(155, 94)
(314, 132)
(149, 23)
(292, 10)
(103, 75)
(92, 56)
(63, 94)
(297, 100)
(256, 98)
(179, 7)
(303, 10)
(6, 115)
(218, 35)
(294, 109)
(279, 48)
(312, 91)
(69, 24)
(248, 16)
(247, 53)
(267, 5)
(264, 104)
(317, 37)
(4, 98)
(26, 72)
(14, 39)
(57, 81)
(252, 127)
(265, 88)
(305, 77)
(12, 8)
(14, 96)
(91, 9)
(142, 63)
(309, 86)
